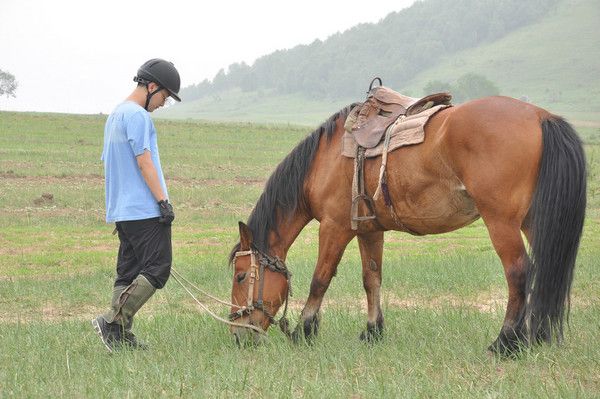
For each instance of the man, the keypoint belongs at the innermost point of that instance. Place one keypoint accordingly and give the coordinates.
(137, 201)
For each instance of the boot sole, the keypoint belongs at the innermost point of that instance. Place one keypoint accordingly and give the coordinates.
(99, 332)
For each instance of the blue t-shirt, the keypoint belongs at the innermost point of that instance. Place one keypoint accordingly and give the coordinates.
(128, 132)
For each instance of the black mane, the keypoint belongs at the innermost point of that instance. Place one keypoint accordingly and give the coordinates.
(284, 192)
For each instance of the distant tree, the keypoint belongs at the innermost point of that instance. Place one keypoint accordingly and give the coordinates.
(472, 85)
(8, 84)
(237, 74)
(437, 86)
(468, 87)
(220, 81)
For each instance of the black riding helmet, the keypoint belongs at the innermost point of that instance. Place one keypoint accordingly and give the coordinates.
(162, 73)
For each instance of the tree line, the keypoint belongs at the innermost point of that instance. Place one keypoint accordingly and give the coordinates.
(397, 48)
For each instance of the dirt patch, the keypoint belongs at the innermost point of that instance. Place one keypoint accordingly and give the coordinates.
(408, 239)
(585, 123)
(236, 181)
(34, 180)
(11, 177)
(44, 199)
(484, 302)
(53, 211)
(52, 313)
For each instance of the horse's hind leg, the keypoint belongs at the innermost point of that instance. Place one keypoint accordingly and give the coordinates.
(371, 252)
(333, 240)
(507, 240)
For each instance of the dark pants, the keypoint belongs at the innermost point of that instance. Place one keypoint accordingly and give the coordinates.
(145, 249)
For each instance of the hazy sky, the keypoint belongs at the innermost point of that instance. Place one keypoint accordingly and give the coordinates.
(79, 56)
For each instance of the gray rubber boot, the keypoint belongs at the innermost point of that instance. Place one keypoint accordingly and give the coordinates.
(111, 333)
(114, 304)
(132, 299)
(126, 303)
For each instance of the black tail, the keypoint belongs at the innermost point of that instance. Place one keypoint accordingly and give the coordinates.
(558, 210)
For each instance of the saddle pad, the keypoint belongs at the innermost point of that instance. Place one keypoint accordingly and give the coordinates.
(405, 131)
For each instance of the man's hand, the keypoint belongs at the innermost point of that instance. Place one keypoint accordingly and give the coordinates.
(166, 212)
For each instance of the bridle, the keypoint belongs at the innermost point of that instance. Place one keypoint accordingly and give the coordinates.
(274, 264)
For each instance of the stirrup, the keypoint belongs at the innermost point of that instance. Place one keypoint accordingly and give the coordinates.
(370, 207)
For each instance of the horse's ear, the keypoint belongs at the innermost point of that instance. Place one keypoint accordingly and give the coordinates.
(245, 237)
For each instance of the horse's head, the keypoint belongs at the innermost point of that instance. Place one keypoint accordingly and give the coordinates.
(261, 284)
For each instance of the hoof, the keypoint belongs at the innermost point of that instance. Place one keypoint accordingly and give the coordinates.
(307, 331)
(298, 337)
(373, 333)
(507, 345)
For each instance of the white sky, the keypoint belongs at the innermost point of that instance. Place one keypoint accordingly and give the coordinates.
(78, 56)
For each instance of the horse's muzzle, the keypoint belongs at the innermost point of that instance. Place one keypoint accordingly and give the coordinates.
(245, 337)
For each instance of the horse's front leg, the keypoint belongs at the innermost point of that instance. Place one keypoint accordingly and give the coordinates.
(371, 252)
(333, 240)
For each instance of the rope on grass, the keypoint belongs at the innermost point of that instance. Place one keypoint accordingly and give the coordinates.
(177, 276)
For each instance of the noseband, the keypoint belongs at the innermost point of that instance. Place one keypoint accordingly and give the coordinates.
(274, 264)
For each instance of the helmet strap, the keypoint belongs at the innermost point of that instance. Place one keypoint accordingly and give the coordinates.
(149, 95)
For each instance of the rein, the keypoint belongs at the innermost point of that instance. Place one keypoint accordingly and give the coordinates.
(274, 264)
(256, 271)
(179, 278)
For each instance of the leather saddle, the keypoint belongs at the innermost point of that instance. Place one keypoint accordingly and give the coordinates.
(383, 106)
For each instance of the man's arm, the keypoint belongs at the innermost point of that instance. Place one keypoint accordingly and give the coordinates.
(150, 175)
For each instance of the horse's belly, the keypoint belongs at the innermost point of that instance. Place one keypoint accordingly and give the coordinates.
(438, 209)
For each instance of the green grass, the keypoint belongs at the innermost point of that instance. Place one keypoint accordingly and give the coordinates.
(258, 106)
(443, 296)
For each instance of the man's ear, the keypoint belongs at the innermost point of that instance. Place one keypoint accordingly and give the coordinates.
(152, 87)
(245, 237)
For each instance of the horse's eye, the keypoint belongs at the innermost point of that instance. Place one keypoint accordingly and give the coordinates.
(240, 277)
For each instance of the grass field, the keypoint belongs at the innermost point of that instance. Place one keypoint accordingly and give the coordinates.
(259, 107)
(443, 295)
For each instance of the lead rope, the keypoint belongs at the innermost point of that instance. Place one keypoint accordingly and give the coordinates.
(175, 275)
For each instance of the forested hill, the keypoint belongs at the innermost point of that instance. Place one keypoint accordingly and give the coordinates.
(398, 47)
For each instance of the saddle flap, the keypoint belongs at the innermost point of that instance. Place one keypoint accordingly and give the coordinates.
(371, 133)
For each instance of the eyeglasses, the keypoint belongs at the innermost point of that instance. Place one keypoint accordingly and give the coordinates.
(165, 97)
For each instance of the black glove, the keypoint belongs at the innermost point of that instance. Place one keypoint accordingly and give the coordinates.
(166, 212)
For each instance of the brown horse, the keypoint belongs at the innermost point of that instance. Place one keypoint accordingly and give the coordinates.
(511, 163)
